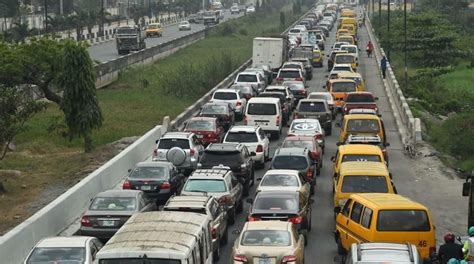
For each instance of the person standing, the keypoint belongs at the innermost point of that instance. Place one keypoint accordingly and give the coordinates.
(370, 49)
(468, 247)
(383, 66)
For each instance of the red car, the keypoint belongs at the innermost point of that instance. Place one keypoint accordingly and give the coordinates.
(207, 129)
(360, 100)
(306, 142)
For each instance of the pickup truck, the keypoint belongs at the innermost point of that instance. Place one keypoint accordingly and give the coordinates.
(360, 100)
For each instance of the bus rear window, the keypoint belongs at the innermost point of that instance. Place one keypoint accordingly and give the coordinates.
(403, 220)
(261, 109)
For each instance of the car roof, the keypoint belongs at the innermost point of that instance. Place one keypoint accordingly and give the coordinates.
(313, 100)
(269, 225)
(366, 168)
(177, 135)
(279, 172)
(61, 241)
(248, 73)
(342, 81)
(243, 129)
(226, 91)
(388, 201)
(291, 152)
(361, 116)
(118, 193)
(203, 118)
(359, 149)
(278, 194)
(210, 173)
(349, 74)
(223, 147)
(264, 100)
(154, 164)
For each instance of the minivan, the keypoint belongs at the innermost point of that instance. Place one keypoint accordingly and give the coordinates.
(266, 113)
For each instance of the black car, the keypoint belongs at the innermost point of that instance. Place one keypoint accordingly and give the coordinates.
(236, 157)
(298, 90)
(159, 180)
(222, 111)
(288, 206)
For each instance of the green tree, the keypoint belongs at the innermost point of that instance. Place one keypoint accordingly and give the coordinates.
(80, 106)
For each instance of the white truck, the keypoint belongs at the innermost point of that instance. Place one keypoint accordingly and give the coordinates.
(269, 51)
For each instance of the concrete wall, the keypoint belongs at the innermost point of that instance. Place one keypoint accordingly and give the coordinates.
(408, 126)
(56, 216)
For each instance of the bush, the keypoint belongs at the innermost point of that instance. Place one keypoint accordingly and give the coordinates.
(243, 32)
(227, 29)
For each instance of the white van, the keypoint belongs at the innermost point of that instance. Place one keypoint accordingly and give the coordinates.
(160, 237)
(266, 113)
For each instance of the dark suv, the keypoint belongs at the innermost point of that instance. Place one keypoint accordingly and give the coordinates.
(317, 109)
(296, 159)
(235, 156)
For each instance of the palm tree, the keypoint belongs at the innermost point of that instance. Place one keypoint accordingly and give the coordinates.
(79, 22)
(20, 32)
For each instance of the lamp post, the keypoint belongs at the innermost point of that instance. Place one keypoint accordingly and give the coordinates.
(380, 14)
(405, 44)
(388, 29)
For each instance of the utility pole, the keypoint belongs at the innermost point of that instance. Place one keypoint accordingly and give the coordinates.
(46, 15)
(405, 46)
(388, 29)
(380, 15)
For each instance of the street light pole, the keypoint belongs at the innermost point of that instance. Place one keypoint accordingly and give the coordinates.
(380, 15)
(405, 45)
(46, 15)
(388, 29)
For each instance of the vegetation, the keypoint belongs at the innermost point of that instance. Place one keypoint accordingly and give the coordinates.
(440, 71)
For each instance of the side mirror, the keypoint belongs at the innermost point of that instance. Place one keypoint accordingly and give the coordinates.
(337, 210)
(466, 188)
(253, 154)
(259, 179)
(387, 144)
(249, 200)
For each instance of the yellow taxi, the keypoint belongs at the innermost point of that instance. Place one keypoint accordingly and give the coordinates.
(348, 13)
(342, 32)
(356, 77)
(318, 58)
(385, 217)
(347, 20)
(361, 177)
(346, 38)
(362, 125)
(154, 29)
(339, 89)
(347, 58)
(356, 152)
(351, 29)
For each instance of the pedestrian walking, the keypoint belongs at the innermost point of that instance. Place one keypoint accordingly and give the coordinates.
(369, 49)
(383, 66)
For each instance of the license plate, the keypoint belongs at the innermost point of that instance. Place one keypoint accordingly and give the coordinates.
(261, 123)
(108, 223)
(146, 187)
(199, 136)
(264, 261)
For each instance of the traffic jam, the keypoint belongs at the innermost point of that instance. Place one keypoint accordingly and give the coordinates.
(179, 206)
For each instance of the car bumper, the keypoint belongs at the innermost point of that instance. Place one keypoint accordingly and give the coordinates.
(259, 157)
(163, 195)
(100, 233)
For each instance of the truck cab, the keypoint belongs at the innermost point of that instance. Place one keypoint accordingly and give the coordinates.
(129, 38)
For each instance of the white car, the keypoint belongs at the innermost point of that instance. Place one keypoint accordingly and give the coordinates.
(337, 45)
(254, 138)
(74, 249)
(351, 49)
(254, 78)
(250, 9)
(339, 67)
(185, 25)
(235, 98)
(282, 180)
(234, 9)
(307, 127)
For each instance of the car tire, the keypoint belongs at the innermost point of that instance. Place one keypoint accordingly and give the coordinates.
(340, 249)
(225, 239)
(231, 216)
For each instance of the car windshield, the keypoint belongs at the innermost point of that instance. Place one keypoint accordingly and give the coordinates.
(241, 137)
(295, 31)
(298, 144)
(247, 78)
(154, 26)
(363, 125)
(312, 107)
(403, 220)
(286, 203)
(200, 125)
(344, 59)
(357, 80)
(343, 87)
(289, 74)
(126, 31)
(304, 53)
(279, 180)
(361, 157)
(69, 255)
(216, 158)
(113, 204)
(364, 184)
(342, 68)
(225, 96)
(168, 143)
(204, 185)
(360, 98)
(266, 238)
(290, 162)
(214, 109)
(149, 172)
(261, 109)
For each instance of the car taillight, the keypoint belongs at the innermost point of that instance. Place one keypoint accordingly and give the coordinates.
(225, 199)
(240, 258)
(278, 120)
(303, 92)
(259, 148)
(299, 79)
(239, 103)
(165, 185)
(212, 135)
(253, 218)
(155, 152)
(287, 259)
(126, 185)
(309, 173)
(214, 233)
(279, 79)
(295, 219)
(85, 221)
(245, 120)
(191, 152)
(318, 136)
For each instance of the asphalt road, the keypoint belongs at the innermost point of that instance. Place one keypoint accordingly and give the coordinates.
(107, 51)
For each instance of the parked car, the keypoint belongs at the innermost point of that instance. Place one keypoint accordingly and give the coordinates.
(109, 210)
(235, 98)
(296, 159)
(281, 206)
(269, 242)
(206, 129)
(180, 148)
(73, 249)
(308, 127)
(220, 183)
(317, 109)
(222, 111)
(254, 138)
(250, 9)
(307, 142)
(209, 206)
(235, 156)
(184, 25)
(158, 180)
